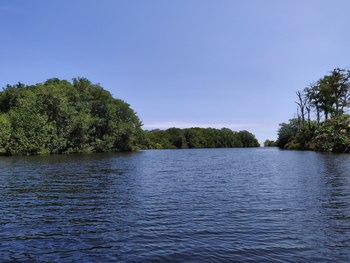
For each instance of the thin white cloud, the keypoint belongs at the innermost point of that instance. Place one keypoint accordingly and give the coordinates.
(181, 124)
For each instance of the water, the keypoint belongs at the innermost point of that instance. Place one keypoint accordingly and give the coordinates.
(205, 205)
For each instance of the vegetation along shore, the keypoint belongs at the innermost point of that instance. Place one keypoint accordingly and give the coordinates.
(59, 116)
(322, 122)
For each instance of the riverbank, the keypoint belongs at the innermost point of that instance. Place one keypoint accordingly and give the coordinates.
(322, 123)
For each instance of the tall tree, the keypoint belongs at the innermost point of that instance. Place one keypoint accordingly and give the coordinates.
(302, 103)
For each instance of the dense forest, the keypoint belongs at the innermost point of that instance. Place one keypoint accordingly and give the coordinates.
(270, 143)
(322, 122)
(62, 117)
(59, 116)
(175, 138)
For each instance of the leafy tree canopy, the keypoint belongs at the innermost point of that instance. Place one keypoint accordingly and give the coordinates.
(328, 101)
(175, 138)
(59, 116)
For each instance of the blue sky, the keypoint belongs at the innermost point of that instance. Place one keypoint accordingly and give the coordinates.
(182, 63)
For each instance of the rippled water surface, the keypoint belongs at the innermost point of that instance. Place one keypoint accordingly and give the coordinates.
(205, 205)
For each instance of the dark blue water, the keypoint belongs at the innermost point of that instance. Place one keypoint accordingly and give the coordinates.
(205, 205)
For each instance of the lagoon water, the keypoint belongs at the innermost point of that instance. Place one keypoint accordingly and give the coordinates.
(200, 205)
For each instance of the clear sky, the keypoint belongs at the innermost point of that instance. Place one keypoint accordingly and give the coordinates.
(183, 63)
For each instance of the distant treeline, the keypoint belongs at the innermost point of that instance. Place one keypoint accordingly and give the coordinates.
(59, 116)
(175, 138)
(322, 122)
(269, 143)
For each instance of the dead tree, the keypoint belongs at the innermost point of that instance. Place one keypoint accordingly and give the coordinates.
(301, 107)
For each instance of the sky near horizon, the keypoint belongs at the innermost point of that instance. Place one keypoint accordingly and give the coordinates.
(181, 63)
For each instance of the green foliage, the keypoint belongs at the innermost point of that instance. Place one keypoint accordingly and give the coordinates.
(175, 138)
(330, 94)
(62, 117)
(330, 97)
(333, 135)
(5, 132)
(247, 139)
(286, 132)
(270, 143)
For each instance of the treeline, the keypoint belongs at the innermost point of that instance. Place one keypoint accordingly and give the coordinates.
(59, 116)
(62, 117)
(175, 138)
(322, 122)
(270, 143)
